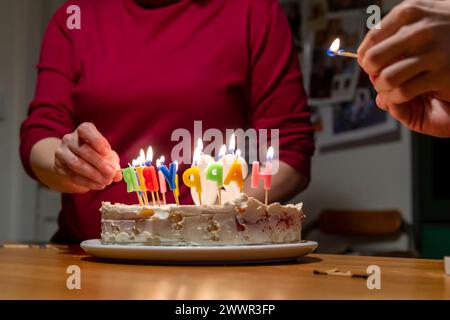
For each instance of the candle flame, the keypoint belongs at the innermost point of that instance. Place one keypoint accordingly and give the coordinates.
(200, 144)
(222, 151)
(270, 152)
(162, 160)
(238, 153)
(141, 158)
(196, 157)
(149, 157)
(134, 163)
(335, 45)
(232, 145)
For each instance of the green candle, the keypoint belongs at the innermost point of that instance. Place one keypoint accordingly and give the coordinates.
(214, 172)
(129, 176)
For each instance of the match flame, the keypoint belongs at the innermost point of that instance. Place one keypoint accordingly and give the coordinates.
(149, 157)
(335, 45)
(232, 145)
(270, 151)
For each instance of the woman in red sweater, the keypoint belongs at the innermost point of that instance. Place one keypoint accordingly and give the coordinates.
(137, 70)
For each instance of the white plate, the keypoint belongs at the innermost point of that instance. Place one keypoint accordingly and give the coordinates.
(203, 254)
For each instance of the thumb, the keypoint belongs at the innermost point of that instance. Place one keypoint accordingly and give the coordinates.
(400, 112)
(114, 157)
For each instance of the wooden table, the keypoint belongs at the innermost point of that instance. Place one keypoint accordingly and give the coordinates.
(37, 273)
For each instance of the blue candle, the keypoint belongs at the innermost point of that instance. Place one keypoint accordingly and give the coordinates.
(170, 174)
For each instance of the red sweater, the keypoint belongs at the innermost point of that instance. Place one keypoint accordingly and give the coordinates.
(138, 74)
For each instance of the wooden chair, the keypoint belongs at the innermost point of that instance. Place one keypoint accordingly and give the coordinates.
(370, 225)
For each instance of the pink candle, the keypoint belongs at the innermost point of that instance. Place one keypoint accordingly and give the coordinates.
(162, 179)
(255, 174)
(268, 176)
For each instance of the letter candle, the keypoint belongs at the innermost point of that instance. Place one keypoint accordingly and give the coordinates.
(214, 172)
(232, 190)
(171, 176)
(235, 172)
(139, 167)
(266, 176)
(209, 188)
(335, 51)
(191, 176)
(151, 182)
(162, 180)
(129, 176)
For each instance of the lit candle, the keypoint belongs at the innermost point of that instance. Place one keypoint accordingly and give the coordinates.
(139, 163)
(171, 175)
(232, 190)
(209, 188)
(267, 175)
(214, 172)
(151, 182)
(162, 180)
(335, 51)
(235, 173)
(191, 176)
(129, 176)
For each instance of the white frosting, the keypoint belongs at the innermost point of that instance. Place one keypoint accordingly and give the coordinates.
(244, 220)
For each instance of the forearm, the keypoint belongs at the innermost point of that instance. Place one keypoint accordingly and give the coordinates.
(286, 183)
(42, 160)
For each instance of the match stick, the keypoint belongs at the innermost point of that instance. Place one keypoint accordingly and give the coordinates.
(343, 53)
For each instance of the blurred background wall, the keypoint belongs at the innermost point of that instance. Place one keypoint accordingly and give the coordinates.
(374, 176)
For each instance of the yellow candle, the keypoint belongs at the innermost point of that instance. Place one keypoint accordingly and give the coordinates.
(191, 178)
(235, 174)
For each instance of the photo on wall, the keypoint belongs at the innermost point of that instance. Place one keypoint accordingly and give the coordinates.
(357, 122)
(334, 79)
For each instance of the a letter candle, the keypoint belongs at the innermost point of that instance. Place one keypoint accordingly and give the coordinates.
(214, 172)
(129, 176)
(161, 179)
(171, 175)
(235, 173)
(209, 188)
(232, 190)
(191, 176)
(266, 176)
(151, 182)
(140, 167)
(335, 51)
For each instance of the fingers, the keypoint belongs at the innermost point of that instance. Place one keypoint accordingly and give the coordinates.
(64, 157)
(89, 133)
(103, 164)
(403, 14)
(82, 184)
(411, 89)
(400, 72)
(410, 40)
(400, 112)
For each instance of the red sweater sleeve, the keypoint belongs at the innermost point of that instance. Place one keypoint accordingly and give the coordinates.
(50, 113)
(278, 99)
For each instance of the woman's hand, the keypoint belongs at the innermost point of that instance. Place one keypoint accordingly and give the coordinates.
(408, 60)
(85, 157)
(80, 162)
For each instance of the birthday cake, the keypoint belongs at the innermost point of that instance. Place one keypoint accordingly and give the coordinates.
(244, 220)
